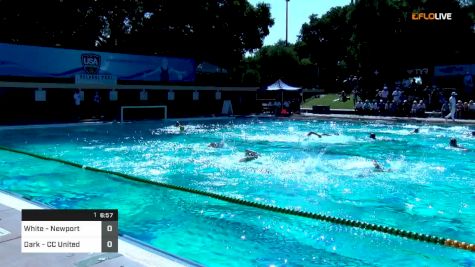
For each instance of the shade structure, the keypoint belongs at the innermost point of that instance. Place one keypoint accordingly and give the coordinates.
(279, 85)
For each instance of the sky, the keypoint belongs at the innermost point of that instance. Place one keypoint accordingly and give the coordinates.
(299, 11)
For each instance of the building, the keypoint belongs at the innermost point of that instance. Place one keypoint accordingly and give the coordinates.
(37, 84)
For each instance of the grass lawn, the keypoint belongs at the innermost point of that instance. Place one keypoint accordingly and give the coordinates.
(328, 100)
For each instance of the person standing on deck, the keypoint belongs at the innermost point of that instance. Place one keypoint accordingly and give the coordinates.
(97, 105)
(453, 106)
(77, 104)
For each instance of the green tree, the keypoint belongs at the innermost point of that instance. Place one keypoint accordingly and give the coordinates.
(325, 41)
(386, 38)
(218, 31)
(278, 62)
(380, 35)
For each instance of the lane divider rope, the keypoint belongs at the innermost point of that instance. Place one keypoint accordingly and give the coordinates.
(316, 216)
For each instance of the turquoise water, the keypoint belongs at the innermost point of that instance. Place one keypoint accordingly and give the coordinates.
(429, 187)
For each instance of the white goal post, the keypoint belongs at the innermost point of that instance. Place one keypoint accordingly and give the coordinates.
(122, 108)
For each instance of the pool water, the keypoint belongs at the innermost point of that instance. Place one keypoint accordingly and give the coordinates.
(428, 187)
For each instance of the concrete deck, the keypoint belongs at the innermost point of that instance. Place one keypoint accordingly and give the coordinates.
(131, 254)
(439, 121)
(395, 119)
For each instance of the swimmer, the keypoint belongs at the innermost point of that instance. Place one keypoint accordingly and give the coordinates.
(314, 133)
(453, 143)
(470, 134)
(319, 135)
(372, 136)
(416, 130)
(377, 167)
(216, 145)
(249, 155)
(178, 124)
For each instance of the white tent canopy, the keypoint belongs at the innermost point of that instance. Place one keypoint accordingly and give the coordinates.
(280, 85)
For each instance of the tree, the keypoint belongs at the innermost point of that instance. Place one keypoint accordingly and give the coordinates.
(399, 42)
(218, 31)
(325, 41)
(381, 35)
(278, 62)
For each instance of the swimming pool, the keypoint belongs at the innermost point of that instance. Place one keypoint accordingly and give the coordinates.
(428, 187)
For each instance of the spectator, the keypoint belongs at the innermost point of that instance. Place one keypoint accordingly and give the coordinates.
(445, 109)
(383, 94)
(459, 109)
(375, 107)
(367, 107)
(381, 107)
(343, 96)
(393, 108)
(434, 98)
(421, 108)
(466, 111)
(387, 107)
(359, 107)
(471, 106)
(405, 108)
(286, 107)
(414, 108)
(286, 104)
(277, 107)
(355, 95)
(397, 95)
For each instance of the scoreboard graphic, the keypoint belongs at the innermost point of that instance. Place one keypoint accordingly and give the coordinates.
(69, 231)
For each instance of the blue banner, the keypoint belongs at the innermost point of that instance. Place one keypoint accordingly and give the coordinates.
(34, 61)
(452, 70)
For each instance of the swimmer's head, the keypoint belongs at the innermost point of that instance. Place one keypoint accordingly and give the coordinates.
(416, 130)
(372, 135)
(177, 124)
(453, 142)
(376, 165)
(473, 133)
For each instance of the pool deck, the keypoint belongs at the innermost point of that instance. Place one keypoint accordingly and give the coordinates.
(312, 116)
(131, 253)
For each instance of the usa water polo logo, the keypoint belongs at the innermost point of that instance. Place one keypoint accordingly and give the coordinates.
(91, 63)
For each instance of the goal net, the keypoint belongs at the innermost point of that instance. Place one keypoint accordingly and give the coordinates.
(131, 113)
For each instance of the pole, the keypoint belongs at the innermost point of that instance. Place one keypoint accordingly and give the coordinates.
(282, 101)
(286, 22)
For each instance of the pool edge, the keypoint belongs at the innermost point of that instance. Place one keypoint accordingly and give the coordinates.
(132, 249)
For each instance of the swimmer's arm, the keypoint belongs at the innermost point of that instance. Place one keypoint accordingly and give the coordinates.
(314, 133)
